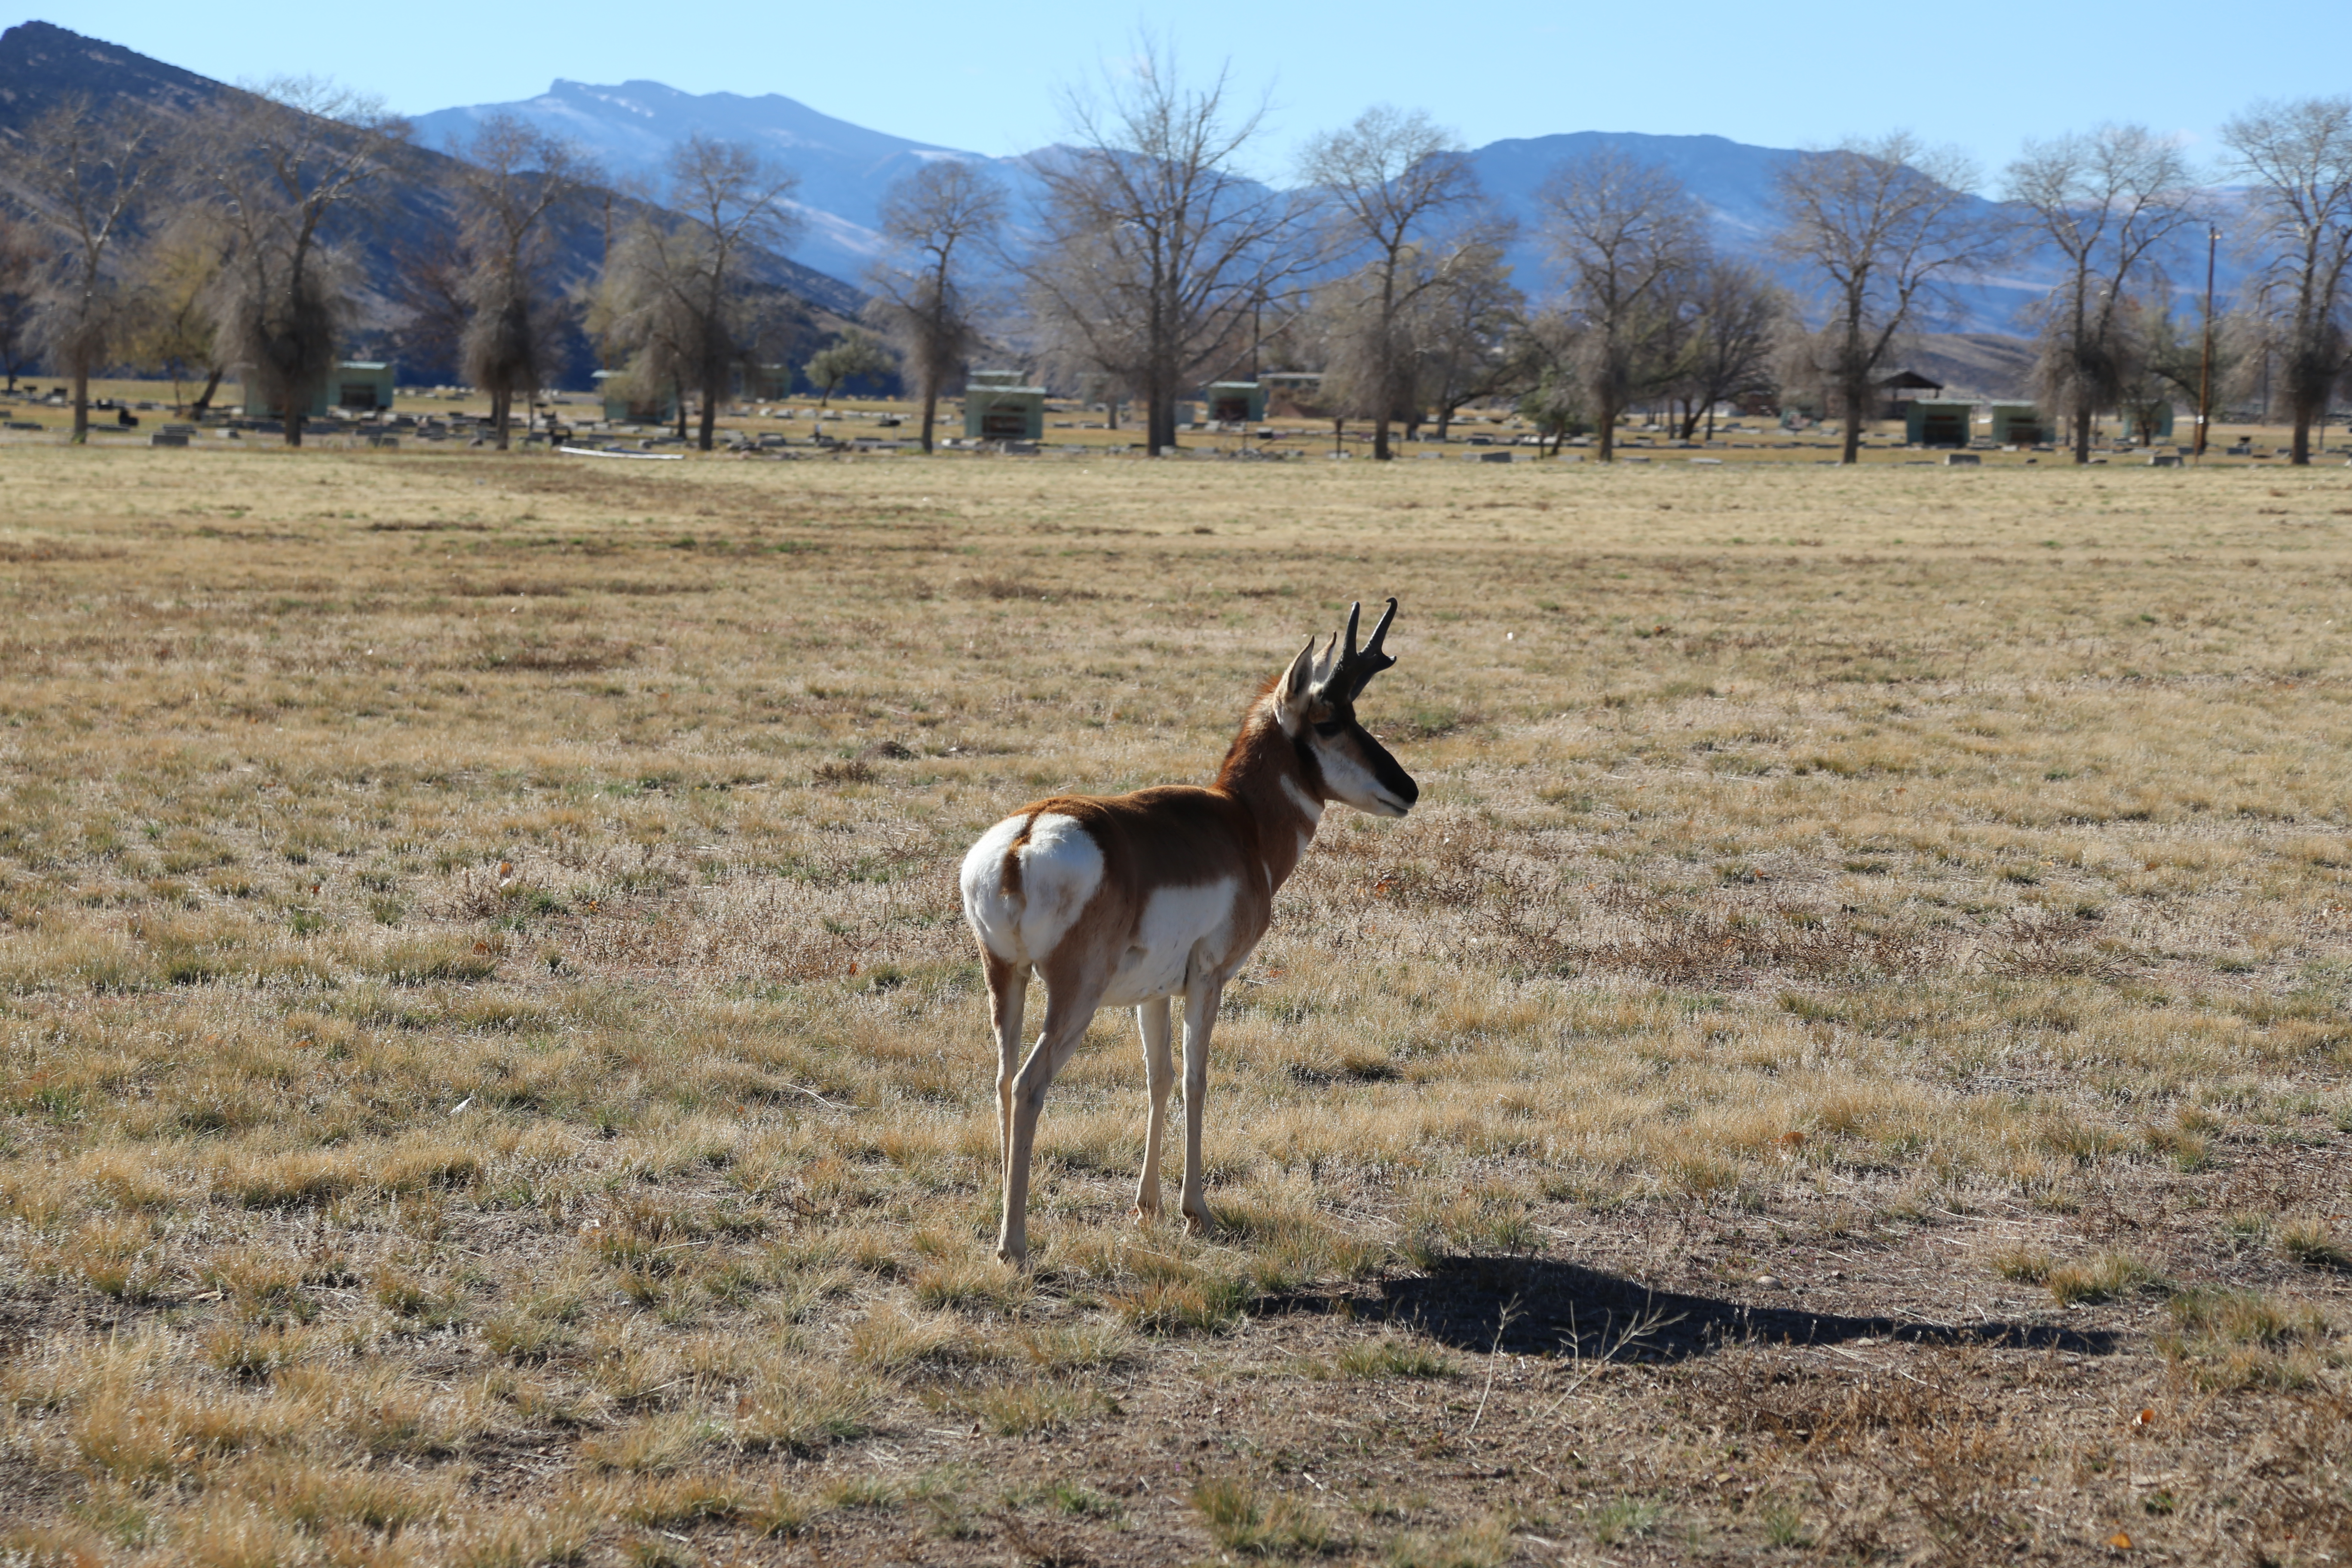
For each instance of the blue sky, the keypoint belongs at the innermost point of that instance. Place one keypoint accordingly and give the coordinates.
(1975, 74)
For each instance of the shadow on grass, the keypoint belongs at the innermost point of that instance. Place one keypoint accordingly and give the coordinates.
(1565, 1308)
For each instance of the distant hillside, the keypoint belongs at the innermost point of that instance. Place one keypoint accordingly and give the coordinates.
(1735, 181)
(1732, 179)
(40, 64)
(1982, 364)
(630, 128)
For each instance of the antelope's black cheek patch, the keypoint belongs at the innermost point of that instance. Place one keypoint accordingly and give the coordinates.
(1386, 769)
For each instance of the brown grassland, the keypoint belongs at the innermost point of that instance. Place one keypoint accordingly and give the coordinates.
(1851, 1061)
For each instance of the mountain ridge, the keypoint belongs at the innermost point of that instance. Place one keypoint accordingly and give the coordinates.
(630, 126)
(846, 167)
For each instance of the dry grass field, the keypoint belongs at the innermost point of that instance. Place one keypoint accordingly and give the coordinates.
(1851, 1061)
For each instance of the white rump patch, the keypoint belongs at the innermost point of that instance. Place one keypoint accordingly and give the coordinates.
(1061, 867)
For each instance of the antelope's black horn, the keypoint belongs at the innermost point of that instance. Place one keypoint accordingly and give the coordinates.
(1361, 665)
(1372, 648)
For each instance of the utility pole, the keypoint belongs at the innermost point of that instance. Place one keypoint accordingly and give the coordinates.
(2205, 367)
(603, 273)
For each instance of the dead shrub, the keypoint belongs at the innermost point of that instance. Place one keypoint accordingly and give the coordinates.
(997, 587)
(572, 656)
(2043, 944)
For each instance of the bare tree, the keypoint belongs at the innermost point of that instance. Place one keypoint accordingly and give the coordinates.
(633, 315)
(428, 284)
(2108, 202)
(1469, 328)
(1153, 248)
(1554, 401)
(681, 290)
(511, 178)
(2169, 365)
(2297, 160)
(83, 172)
(284, 161)
(22, 256)
(1624, 231)
(1357, 352)
(940, 219)
(1734, 317)
(1885, 226)
(176, 279)
(1104, 355)
(635, 318)
(2156, 359)
(1392, 183)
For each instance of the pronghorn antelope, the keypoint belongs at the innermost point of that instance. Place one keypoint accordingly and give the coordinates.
(1125, 900)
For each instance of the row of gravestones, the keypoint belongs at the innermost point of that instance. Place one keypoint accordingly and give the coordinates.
(1971, 460)
(177, 435)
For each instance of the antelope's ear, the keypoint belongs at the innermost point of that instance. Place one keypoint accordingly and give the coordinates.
(1298, 687)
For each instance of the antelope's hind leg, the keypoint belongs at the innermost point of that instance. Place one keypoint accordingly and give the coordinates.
(1159, 1077)
(1008, 996)
(1067, 1017)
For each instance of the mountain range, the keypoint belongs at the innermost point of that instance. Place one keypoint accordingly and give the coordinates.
(631, 127)
(845, 169)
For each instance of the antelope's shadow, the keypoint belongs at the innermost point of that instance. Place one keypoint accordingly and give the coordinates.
(1536, 1306)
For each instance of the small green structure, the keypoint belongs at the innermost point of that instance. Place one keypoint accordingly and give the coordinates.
(2016, 423)
(2159, 427)
(363, 384)
(623, 404)
(1936, 422)
(997, 408)
(359, 385)
(1234, 402)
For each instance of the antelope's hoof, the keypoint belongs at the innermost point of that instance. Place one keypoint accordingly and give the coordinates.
(1198, 1223)
(1145, 1214)
(1017, 1257)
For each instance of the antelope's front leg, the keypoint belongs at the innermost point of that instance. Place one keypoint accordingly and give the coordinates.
(1159, 1077)
(1200, 1015)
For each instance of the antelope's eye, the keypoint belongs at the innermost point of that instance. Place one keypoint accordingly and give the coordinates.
(1330, 726)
